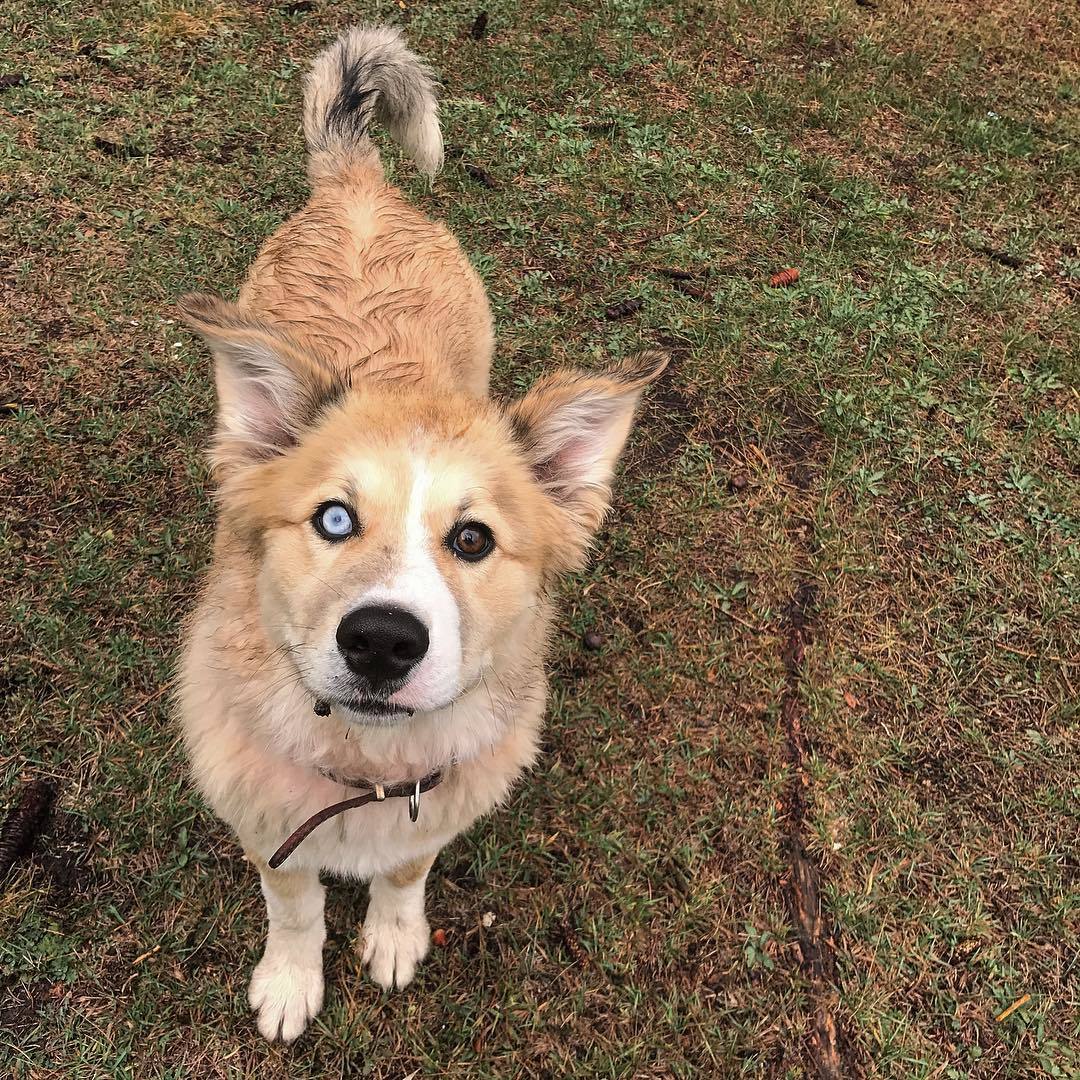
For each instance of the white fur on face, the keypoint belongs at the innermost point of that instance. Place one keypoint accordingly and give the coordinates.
(418, 587)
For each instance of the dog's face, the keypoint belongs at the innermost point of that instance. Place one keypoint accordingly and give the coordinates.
(403, 537)
(399, 542)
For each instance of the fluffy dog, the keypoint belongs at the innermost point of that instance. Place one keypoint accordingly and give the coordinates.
(378, 607)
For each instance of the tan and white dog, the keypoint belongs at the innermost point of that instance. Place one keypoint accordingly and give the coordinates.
(378, 606)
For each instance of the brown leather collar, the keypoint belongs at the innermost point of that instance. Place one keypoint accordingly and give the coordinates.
(376, 793)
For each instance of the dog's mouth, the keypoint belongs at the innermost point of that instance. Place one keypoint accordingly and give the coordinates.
(360, 707)
(375, 707)
(363, 705)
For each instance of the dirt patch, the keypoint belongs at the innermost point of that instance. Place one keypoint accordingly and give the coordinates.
(800, 444)
(64, 855)
(808, 49)
(21, 1006)
(669, 414)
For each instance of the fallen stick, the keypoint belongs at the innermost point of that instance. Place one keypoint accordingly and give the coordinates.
(1018, 1003)
(667, 232)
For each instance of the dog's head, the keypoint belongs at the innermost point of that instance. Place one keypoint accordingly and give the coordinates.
(403, 536)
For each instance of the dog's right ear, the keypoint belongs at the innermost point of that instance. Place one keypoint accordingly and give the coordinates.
(268, 390)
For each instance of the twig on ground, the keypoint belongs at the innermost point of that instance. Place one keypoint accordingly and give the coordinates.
(148, 699)
(667, 232)
(1018, 1003)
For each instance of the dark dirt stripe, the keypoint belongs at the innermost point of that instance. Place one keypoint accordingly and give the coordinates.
(802, 889)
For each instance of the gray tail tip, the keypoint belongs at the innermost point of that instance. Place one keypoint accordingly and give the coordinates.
(370, 74)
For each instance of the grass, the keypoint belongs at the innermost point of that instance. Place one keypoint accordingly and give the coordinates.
(886, 452)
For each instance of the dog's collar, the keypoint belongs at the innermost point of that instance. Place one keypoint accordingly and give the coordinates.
(373, 793)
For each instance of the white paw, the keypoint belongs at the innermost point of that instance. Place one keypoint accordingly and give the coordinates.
(286, 995)
(392, 947)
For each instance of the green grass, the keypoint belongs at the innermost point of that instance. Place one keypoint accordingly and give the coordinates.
(901, 429)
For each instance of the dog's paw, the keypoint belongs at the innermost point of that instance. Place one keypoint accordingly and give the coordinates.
(392, 947)
(286, 995)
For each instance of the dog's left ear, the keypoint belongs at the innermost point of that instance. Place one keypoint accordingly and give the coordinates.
(571, 427)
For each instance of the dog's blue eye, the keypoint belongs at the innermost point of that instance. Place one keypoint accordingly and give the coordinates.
(334, 521)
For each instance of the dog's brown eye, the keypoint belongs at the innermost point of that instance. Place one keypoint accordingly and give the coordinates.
(471, 541)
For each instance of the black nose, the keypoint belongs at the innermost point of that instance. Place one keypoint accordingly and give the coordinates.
(381, 644)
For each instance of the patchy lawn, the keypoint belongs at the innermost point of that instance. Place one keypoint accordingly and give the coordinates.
(812, 809)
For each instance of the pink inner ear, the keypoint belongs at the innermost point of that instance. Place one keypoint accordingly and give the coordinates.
(264, 418)
(577, 439)
(576, 458)
(258, 406)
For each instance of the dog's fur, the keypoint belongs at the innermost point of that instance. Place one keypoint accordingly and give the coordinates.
(354, 368)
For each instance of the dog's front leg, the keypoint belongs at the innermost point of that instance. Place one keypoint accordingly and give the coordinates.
(395, 936)
(287, 985)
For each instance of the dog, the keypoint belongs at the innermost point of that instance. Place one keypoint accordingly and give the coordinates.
(379, 602)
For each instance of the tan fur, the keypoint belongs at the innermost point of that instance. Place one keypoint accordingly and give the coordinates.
(362, 279)
(410, 872)
(355, 368)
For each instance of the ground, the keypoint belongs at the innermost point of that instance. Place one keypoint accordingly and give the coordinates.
(811, 809)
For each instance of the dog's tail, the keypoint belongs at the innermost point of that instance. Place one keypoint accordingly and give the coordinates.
(369, 74)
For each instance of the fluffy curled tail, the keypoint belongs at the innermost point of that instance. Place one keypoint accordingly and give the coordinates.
(369, 74)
